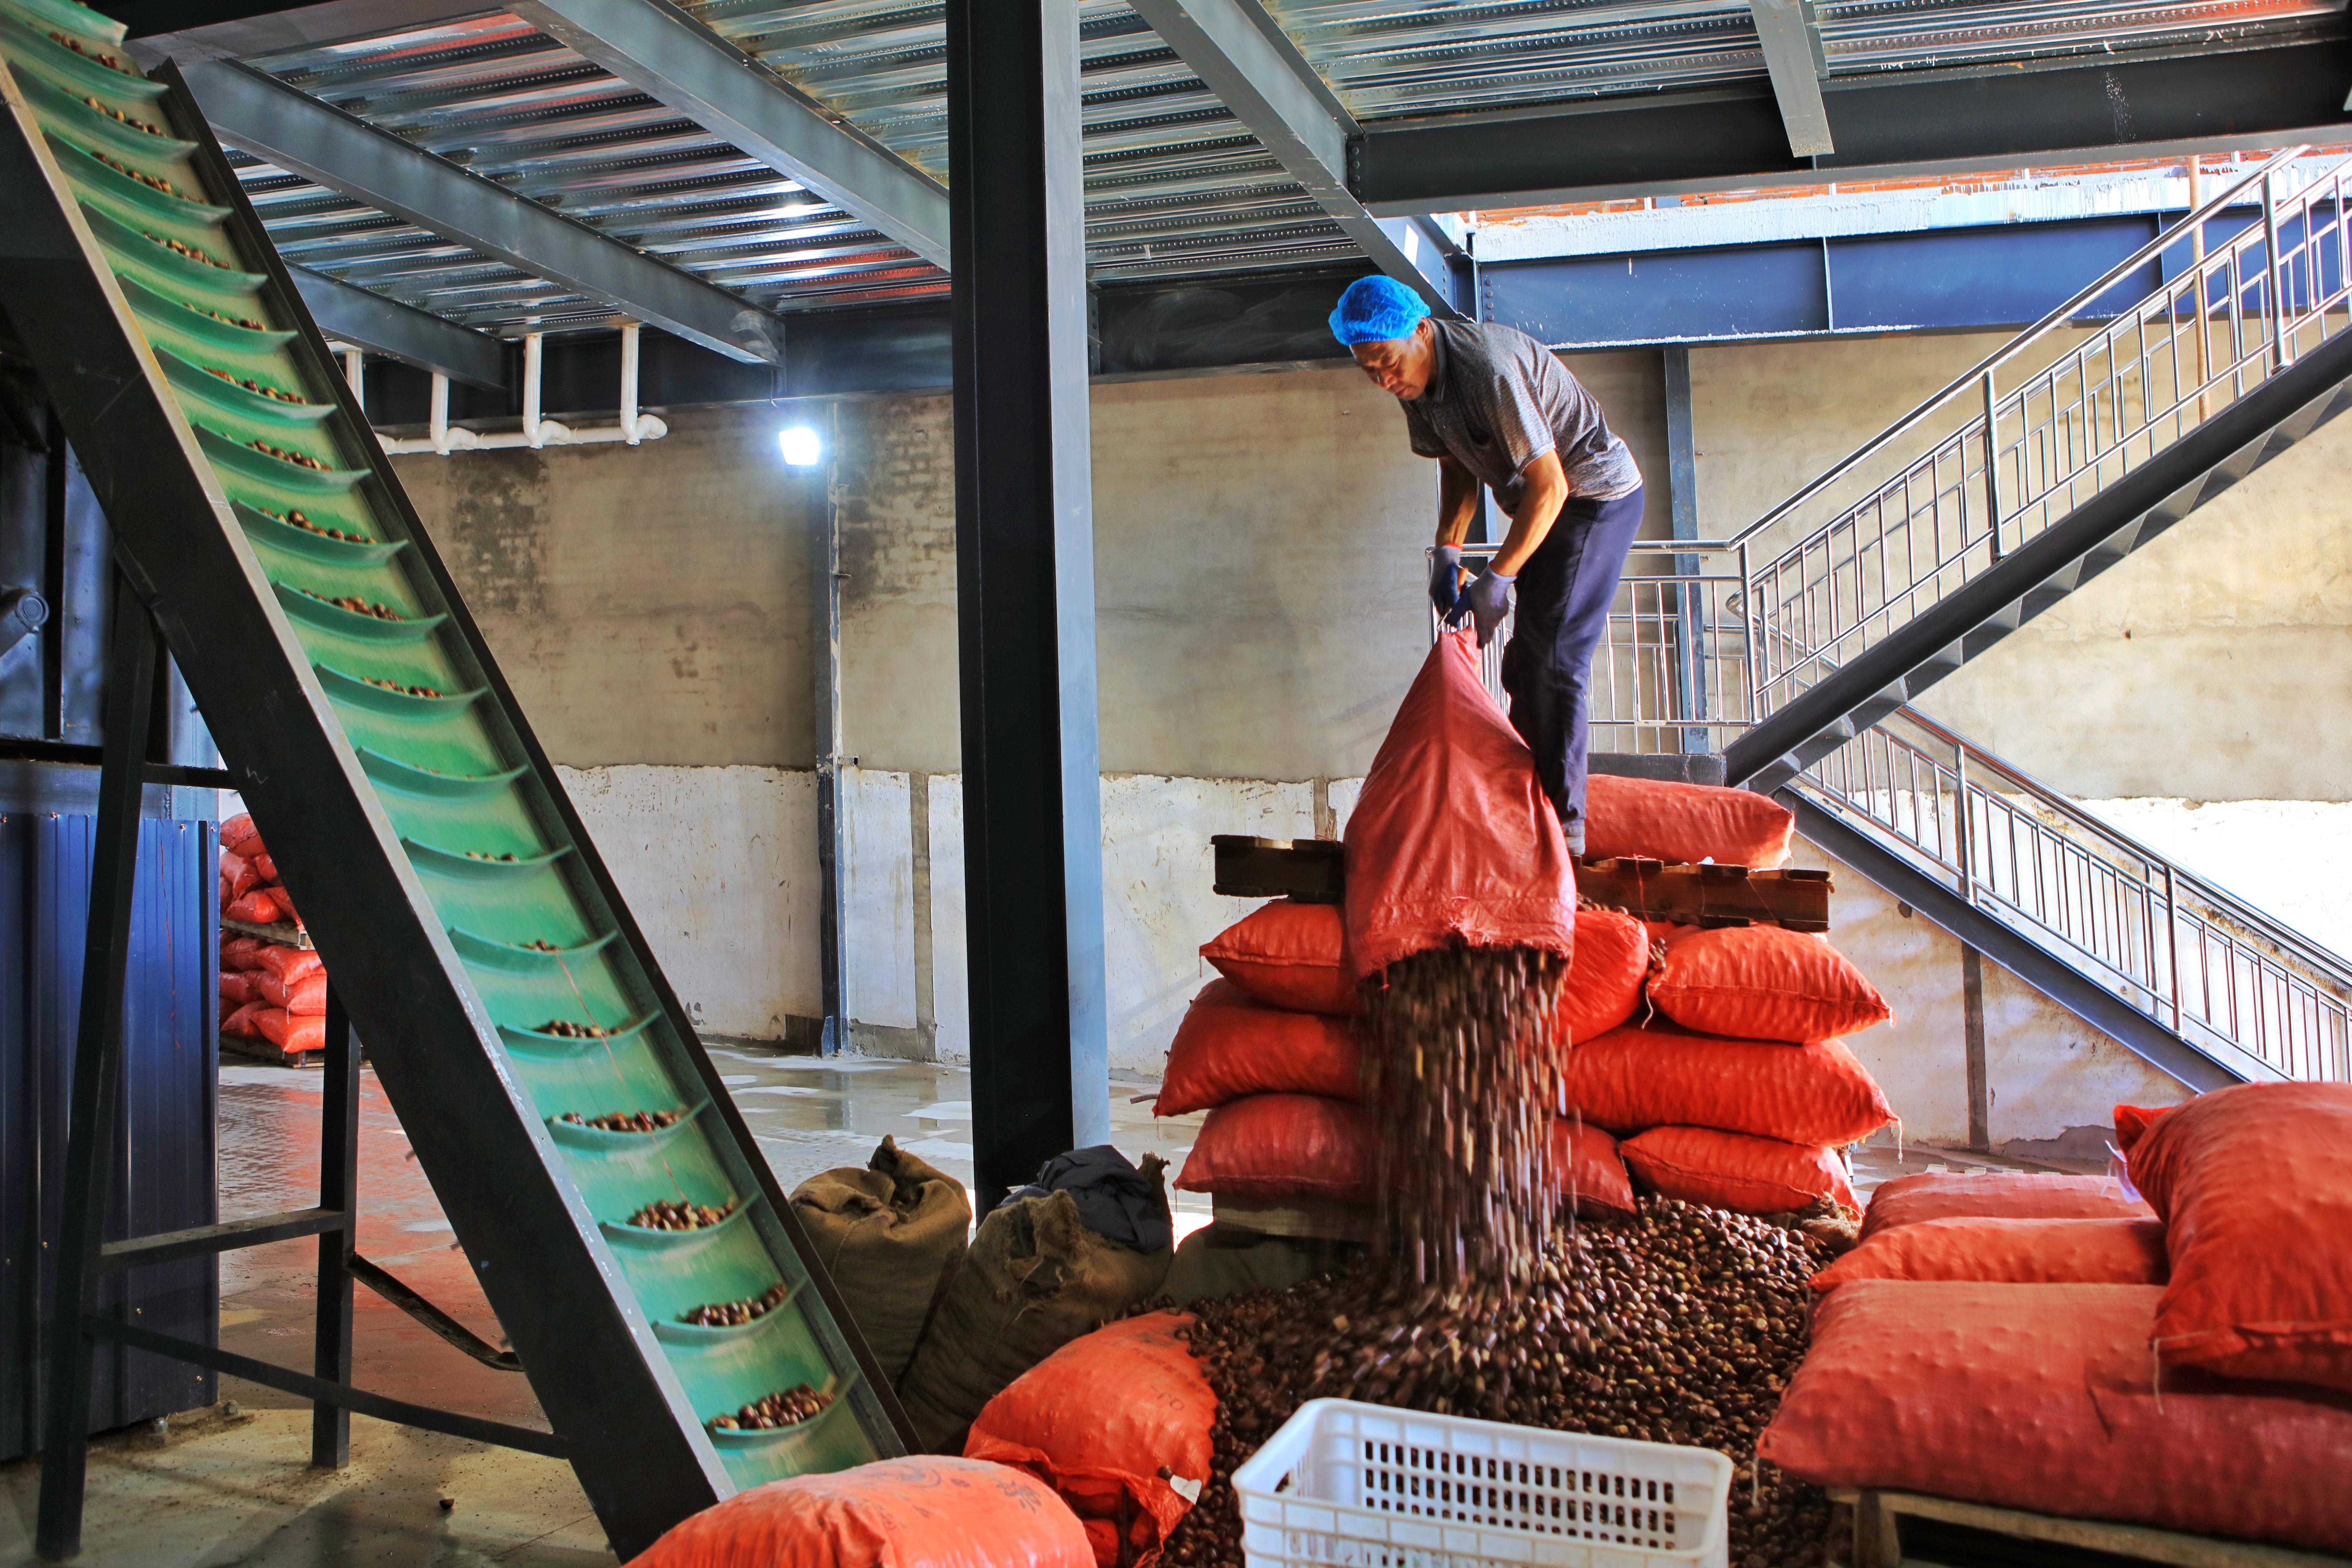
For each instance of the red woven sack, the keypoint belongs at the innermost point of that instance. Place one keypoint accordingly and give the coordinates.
(1273, 1147)
(264, 865)
(236, 985)
(1764, 983)
(927, 1511)
(241, 1022)
(2254, 1185)
(239, 834)
(1604, 981)
(288, 963)
(1124, 1411)
(2133, 1120)
(1453, 838)
(1228, 1046)
(1662, 820)
(1999, 1194)
(2039, 1397)
(1591, 1173)
(257, 908)
(305, 994)
(2008, 1251)
(1289, 955)
(1632, 1079)
(1733, 1170)
(238, 875)
(241, 953)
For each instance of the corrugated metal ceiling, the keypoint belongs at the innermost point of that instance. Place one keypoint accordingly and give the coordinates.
(1176, 186)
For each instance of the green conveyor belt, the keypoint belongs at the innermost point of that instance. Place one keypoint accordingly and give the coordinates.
(569, 1003)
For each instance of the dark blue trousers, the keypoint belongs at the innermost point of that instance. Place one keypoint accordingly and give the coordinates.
(1560, 618)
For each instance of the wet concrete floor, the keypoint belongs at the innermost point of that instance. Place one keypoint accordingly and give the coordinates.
(233, 1485)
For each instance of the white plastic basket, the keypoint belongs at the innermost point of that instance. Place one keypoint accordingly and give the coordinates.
(1364, 1485)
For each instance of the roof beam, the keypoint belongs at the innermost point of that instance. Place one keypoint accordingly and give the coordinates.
(673, 58)
(1794, 60)
(2157, 105)
(352, 315)
(298, 132)
(1245, 58)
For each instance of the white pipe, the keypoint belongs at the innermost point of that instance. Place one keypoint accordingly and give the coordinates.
(531, 348)
(629, 431)
(355, 376)
(445, 438)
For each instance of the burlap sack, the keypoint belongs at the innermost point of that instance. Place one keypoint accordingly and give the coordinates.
(888, 1235)
(1034, 1280)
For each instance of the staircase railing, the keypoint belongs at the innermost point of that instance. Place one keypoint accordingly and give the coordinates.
(2188, 954)
(2195, 321)
(1709, 638)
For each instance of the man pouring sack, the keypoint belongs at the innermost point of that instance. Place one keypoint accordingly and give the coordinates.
(1495, 407)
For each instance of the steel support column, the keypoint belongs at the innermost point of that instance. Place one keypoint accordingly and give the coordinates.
(1024, 585)
(832, 821)
(1682, 488)
(97, 1075)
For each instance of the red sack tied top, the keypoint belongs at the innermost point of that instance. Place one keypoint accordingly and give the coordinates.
(1452, 837)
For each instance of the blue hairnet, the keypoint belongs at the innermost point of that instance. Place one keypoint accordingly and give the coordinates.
(1376, 310)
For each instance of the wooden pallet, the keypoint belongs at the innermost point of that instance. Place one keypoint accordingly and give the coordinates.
(285, 934)
(1304, 1219)
(261, 1050)
(1309, 871)
(1878, 1534)
(1705, 895)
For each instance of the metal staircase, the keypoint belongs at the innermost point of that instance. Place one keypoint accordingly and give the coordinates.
(2041, 468)
(1796, 646)
(476, 939)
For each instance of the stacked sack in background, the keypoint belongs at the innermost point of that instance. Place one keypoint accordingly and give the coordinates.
(1271, 1050)
(1717, 1056)
(1736, 1089)
(270, 994)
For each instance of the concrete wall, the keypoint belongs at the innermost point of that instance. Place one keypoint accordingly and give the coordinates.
(1259, 614)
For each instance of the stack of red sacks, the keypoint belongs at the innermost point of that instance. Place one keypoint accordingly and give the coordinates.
(1270, 1052)
(249, 888)
(1735, 1088)
(269, 991)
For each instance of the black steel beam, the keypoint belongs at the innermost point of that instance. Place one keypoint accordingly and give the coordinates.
(1025, 589)
(229, 1236)
(341, 1396)
(352, 315)
(2005, 945)
(444, 1327)
(2121, 105)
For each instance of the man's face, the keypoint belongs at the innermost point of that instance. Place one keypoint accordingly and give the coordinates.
(1398, 366)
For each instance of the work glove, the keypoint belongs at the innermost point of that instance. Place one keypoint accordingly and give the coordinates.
(1486, 601)
(1446, 578)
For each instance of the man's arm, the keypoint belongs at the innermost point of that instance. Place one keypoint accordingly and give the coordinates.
(1457, 501)
(1543, 491)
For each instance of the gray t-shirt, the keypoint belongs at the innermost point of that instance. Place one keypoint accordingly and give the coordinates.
(1497, 400)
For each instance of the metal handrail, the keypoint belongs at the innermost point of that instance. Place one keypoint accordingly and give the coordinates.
(2182, 951)
(1976, 373)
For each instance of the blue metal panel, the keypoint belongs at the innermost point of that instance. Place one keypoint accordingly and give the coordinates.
(1749, 290)
(163, 1178)
(2010, 275)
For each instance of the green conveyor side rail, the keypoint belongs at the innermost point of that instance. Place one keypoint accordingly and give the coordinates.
(514, 915)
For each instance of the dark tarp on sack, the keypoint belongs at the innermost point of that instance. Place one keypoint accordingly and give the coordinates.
(888, 1235)
(1118, 1202)
(1035, 1278)
(1452, 837)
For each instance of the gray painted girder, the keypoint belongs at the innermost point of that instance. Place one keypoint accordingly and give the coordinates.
(1243, 57)
(350, 314)
(298, 132)
(1793, 59)
(674, 60)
